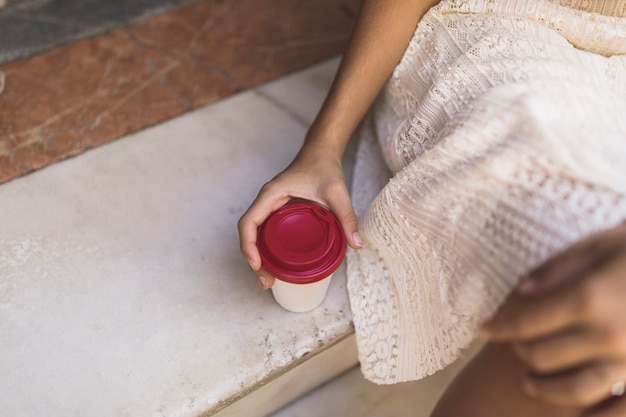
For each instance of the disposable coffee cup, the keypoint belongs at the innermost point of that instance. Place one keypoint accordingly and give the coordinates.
(301, 244)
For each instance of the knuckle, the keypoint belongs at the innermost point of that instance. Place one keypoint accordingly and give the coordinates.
(581, 396)
(578, 392)
(242, 227)
(241, 223)
(243, 249)
(599, 374)
(349, 218)
(266, 187)
(536, 360)
(615, 340)
(336, 186)
(517, 324)
(589, 303)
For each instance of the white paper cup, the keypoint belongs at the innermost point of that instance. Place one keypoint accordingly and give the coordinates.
(300, 297)
(301, 245)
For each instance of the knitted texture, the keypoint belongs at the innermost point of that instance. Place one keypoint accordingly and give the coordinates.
(503, 130)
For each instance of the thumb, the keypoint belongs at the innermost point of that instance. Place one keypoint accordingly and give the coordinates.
(342, 208)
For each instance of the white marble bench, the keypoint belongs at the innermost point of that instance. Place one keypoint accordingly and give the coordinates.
(122, 290)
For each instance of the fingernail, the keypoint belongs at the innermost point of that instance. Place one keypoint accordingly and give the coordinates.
(263, 283)
(251, 263)
(357, 239)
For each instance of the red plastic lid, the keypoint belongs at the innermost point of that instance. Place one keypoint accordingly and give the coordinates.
(301, 243)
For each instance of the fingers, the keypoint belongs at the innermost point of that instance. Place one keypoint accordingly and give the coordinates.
(263, 206)
(248, 225)
(322, 184)
(595, 301)
(342, 208)
(573, 339)
(569, 349)
(581, 387)
(522, 320)
(614, 407)
(575, 263)
(567, 323)
(562, 270)
(265, 203)
(266, 280)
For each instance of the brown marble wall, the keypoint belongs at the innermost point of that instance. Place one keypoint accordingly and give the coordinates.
(69, 99)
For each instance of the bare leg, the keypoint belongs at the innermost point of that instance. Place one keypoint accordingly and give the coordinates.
(491, 386)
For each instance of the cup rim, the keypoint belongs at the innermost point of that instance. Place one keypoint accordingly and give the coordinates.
(334, 251)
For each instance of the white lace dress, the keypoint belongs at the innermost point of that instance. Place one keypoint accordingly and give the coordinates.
(503, 130)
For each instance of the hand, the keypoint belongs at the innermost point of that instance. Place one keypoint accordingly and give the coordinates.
(312, 176)
(568, 324)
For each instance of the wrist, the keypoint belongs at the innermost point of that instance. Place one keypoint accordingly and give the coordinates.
(325, 142)
(321, 148)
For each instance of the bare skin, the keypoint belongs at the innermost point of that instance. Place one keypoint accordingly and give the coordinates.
(557, 345)
(484, 389)
(380, 36)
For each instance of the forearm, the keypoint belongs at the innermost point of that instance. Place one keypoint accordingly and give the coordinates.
(380, 36)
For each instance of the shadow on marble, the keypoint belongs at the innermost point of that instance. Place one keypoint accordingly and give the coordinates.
(351, 395)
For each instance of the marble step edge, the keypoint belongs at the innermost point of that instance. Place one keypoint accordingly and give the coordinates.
(289, 383)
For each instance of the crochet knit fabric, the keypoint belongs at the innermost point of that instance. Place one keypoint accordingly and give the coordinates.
(499, 141)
